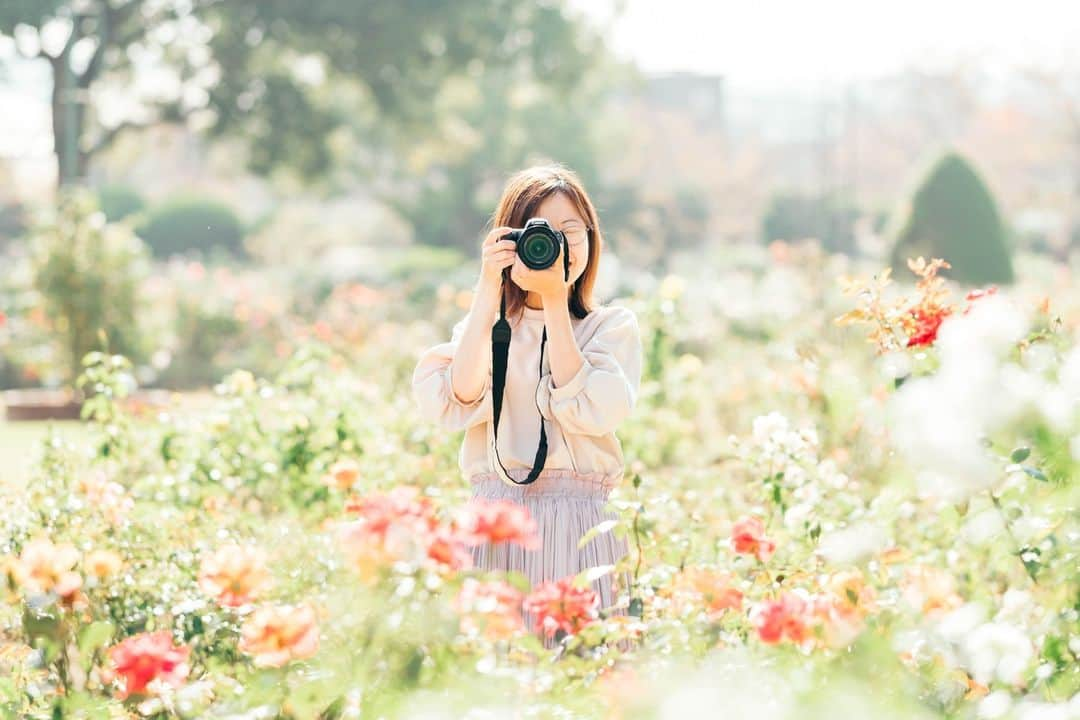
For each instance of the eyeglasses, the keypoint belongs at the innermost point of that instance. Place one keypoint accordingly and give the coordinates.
(577, 236)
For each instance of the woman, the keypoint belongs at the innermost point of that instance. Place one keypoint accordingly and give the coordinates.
(583, 386)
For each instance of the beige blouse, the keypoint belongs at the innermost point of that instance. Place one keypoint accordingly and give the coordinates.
(580, 416)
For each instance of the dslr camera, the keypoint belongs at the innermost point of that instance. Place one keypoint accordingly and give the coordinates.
(538, 245)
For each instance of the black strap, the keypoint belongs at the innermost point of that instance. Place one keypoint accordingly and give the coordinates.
(500, 350)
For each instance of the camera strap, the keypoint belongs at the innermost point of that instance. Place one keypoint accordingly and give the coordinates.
(500, 350)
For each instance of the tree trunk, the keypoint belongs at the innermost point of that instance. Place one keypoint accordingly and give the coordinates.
(58, 121)
(67, 141)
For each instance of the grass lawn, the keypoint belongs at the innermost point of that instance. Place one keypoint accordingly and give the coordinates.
(19, 439)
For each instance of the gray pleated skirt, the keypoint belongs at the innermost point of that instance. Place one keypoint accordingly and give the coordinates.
(565, 504)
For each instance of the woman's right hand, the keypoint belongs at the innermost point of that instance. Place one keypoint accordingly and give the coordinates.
(495, 255)
(472, 357)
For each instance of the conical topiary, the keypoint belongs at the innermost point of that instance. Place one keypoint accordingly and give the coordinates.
(952, 215)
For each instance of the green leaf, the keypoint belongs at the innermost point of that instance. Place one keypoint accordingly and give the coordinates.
(1030, 556)
(594, 573)
(637, 606)
(1034, 472)
(43, 623)
(95, 635)
(83, 705)
(532, 643)
(1056, 650)
(1020, 454)
(595, 530)
(334, 710)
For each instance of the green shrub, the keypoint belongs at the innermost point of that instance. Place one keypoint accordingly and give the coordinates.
(190, 223)
(794, 216)
(952, 215)
(87, 272)
(424, 260)
(12, 222)
(119, 201)
(206, 337)
(12, 375)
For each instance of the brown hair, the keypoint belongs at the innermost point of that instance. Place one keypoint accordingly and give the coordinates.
(522, 196)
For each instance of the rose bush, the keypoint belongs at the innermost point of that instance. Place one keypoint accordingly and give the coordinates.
(817, 525)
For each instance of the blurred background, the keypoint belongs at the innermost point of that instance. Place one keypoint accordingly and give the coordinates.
(203, 184)
(247, 218)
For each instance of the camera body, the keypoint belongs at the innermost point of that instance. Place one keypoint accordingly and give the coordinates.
(538, 245)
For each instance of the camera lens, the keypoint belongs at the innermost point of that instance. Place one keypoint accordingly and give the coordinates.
(538, 250)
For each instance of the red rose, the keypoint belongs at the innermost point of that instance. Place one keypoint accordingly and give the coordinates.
(787, 617)
(927, 322)
(498, 521)
(748, 538)
(143, 658)
(561, 605)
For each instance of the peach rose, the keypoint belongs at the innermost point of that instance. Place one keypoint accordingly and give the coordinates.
(234, 574)
(277, 634)
(44, 567)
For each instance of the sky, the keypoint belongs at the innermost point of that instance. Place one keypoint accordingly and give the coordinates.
(784, 45)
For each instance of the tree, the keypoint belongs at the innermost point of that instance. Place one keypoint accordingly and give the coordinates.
(952, 215)
(1062, 87)
(293, 79)
(83, 41)
(448, 182)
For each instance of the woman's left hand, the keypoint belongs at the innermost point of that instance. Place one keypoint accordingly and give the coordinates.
(549, 282)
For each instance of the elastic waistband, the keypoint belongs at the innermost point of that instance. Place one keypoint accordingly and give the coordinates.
(551, 482)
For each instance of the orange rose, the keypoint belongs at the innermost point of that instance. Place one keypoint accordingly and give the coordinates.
(491, 608)
(343, 474)
(44, 567)
(101, 563)
(852, 594)
(930, 590)
(709, 589)
(276, 634)
(234, 574)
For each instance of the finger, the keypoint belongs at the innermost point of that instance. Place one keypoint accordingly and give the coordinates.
(502, 262)
(495, 234)
(497, 251)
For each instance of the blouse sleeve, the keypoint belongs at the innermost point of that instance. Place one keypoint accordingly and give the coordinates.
(605, 390)
(435, 395)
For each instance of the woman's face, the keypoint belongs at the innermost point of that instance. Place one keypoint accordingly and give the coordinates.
(561, 214)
